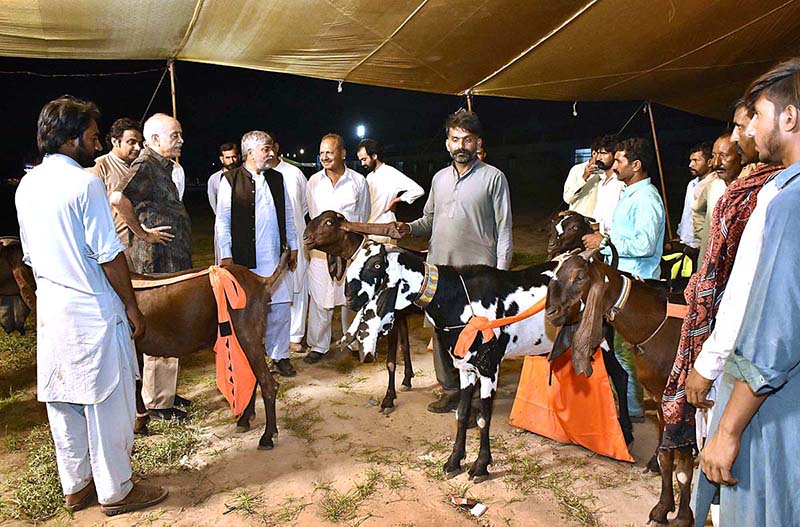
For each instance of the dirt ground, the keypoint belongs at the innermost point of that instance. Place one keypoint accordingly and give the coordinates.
(338, 461)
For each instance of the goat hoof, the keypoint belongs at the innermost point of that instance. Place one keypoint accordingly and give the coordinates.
(450, 474)
(266, 444)
(240, 429)
(480, 478)
(386, 411)
(405, 388)
(658, 515)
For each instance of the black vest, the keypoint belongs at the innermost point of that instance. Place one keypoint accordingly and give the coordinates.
(243, 212)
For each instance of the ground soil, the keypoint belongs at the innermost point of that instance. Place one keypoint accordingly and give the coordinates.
(229, 482)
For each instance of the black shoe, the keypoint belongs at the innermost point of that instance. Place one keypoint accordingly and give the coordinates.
(167, 414)
(182, 401)
(313, 357)
(285, 368)
(446, 403)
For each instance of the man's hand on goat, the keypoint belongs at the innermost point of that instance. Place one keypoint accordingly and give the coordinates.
(592, 241)
(400, 228)
(136, 319)
(697, 388)
(158, 235)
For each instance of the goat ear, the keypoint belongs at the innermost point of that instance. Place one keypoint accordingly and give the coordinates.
(336, 267)
(386, 301)
(563, 341)
(588, 253)
(590, 329)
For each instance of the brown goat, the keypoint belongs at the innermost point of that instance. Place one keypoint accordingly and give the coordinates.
(641, 320)
(332, 234)
(17, 298)
(181, 318)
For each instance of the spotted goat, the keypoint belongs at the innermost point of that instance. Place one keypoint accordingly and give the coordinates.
(384, 279)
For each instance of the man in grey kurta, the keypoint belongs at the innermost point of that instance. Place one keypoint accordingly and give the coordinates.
(468, 219)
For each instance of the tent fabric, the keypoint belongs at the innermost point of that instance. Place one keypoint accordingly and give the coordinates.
(692, 55)
(569, 408)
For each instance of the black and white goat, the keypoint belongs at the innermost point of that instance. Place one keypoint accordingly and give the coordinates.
(382, 279)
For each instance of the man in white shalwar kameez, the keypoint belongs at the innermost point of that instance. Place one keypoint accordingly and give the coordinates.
(86, 366)
(295, 183)
(345, 191)
(254, 220)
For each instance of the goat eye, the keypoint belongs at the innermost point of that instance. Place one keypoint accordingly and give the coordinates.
(329, 222)
(574, 227)
(377, 266)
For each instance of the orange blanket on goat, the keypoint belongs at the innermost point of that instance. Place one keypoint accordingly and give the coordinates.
(571, 409)
(235, 377)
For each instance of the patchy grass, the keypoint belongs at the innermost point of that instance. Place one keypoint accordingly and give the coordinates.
(163, 449)
(345, 366)
(286, 513)
(348, 384)
(283, 390)
(244, 503)
(36, 493)
(340, 507)
(526, 474)
(300, 418)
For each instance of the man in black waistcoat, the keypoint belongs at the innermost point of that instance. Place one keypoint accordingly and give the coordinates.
(254, 225)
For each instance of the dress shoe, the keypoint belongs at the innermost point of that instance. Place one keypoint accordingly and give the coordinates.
(81, 499)
(140, 497)
(285, 368)
(446, 403)
(182, 401)
(313, 357)
(167, 414)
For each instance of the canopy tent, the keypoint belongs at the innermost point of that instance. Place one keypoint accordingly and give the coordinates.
(694, 55)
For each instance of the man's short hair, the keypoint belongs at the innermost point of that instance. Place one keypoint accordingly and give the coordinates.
(637, 149)
(63, 119)
(464, 120)
(336, 137)
(119, 128)
(780, 85)
(226, 147)
(705, 148)
(606, 142)
(372, 147)
(254, 139)
(154, 125)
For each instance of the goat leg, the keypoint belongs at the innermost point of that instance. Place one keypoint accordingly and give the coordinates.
(249, 413)
(408, 369)
(269, 391)
(684, 473)
(479, 472)
(387, 405)
(666, 501)
(452, 467)
(140, 424)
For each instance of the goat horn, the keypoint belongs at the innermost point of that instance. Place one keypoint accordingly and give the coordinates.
(588, 253)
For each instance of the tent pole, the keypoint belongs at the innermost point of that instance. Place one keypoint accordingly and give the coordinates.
(469, 101)
(171, 64)
(660, 168)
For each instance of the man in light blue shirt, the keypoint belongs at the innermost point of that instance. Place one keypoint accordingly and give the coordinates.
(637, 231)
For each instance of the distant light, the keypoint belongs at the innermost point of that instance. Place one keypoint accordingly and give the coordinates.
(361, 131)
(294, 156)
(302, 151)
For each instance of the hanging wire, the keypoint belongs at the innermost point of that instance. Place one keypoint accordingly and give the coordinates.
(624, 126)
(154, 93)
(58, 75)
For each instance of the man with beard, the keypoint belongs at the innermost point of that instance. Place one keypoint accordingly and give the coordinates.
(755, 424)
(637, 231)
(580, 187)
(387, 185)
(294, 181)
(726, 166)
(699, 167)
(148, 197)
(229, 157)
(255, 223)
(345, 191)
(125, 141)
(468, 219)
(85, 361)
(608, 186)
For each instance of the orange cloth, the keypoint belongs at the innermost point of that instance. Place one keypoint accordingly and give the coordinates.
(235, 378)
(485, 326)
(573, 409)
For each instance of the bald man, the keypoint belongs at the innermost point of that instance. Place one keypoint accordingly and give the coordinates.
(149, 203)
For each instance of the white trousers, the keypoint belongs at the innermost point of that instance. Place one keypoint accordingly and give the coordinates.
(94, 441)
(319, 325)
(299, 312)
(159, 382)
(276, 337)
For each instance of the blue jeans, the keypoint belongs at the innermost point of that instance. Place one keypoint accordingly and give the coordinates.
(624, 354)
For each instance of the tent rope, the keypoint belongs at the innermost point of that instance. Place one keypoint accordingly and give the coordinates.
(154, 93)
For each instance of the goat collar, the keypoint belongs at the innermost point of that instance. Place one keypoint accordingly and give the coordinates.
(429, 285)
(621, 300)
(364, 240)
